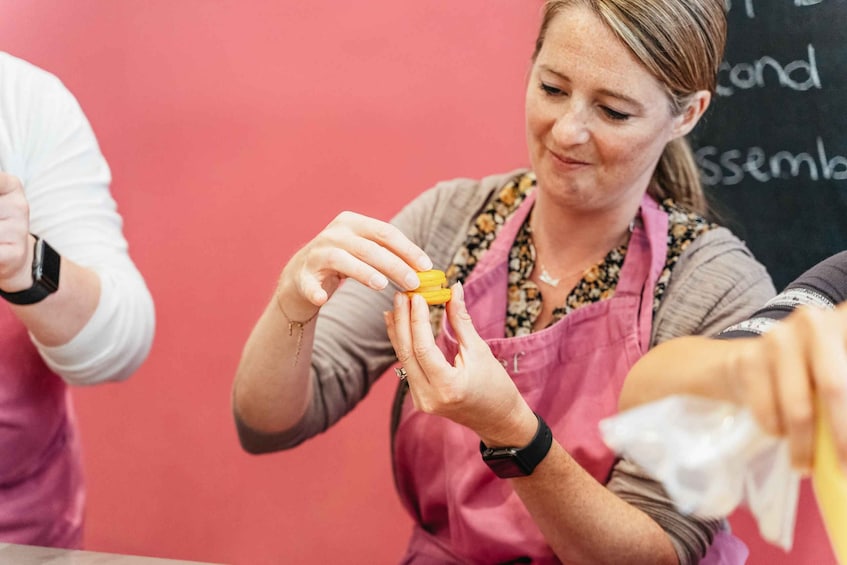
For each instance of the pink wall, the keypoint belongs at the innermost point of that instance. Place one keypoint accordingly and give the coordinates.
(235, 131)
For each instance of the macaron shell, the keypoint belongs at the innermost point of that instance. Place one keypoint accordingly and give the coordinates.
(433, 277)
(433, 297)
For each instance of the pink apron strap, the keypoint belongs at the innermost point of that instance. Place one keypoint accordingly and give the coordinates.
(638, 278)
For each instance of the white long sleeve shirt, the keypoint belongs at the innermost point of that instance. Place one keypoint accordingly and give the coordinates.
(47, 142)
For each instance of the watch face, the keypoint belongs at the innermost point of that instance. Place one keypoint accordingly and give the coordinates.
(46, 265)
(47, 272)
(505, 464)
(508, 462)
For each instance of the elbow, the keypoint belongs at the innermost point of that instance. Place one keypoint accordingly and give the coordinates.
(250, 445)
(127, 357)
(117, 367)
(256, 442)
(253, 447)
(112, 346)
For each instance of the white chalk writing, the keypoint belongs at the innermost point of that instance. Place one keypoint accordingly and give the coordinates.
(801, 74)
(730, 167)
(750, 5)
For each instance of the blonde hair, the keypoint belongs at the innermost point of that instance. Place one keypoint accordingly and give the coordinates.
(681, 43)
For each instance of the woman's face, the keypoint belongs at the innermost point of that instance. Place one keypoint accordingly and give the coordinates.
(597, 121)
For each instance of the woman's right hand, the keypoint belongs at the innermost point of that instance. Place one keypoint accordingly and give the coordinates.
(787, 373)
(353, 246)
(272, 388)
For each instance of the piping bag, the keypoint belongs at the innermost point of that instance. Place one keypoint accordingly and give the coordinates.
(712, 456)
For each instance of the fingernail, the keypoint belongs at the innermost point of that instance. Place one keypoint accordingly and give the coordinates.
(459, 292)
(399, 297)
(412, 281)
(424, 262)
(378, 281)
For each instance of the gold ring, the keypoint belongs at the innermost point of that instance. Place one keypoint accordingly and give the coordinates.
(401, 373)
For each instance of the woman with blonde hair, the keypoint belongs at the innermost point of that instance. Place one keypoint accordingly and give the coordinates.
(562, 277)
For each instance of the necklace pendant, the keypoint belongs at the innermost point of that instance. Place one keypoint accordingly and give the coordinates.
(547, 279)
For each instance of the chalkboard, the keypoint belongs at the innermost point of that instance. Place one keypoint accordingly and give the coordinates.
(773, 147)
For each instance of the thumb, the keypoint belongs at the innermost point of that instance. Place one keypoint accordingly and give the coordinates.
(9, 183)
(460, 319)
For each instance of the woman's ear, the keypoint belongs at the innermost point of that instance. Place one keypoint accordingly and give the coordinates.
(693, 111)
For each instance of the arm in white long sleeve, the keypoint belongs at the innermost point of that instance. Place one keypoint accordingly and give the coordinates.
(50, 146)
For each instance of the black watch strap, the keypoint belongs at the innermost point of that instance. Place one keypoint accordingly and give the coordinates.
(46, 263)
(509, 462)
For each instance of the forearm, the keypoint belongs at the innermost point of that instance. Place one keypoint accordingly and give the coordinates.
(116, 337)
(586, 523)
(336, 370)
(581, 519)
(693, 365)
(97, 325)
(58, 318)
(272, 387)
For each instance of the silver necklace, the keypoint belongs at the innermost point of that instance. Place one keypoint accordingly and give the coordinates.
(547, 279)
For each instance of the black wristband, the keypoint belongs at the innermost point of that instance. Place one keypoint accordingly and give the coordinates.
(509, 462)
(46, 263)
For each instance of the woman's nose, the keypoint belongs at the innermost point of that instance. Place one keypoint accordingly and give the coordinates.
(571, 126)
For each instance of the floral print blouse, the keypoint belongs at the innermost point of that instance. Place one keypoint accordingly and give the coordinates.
(598, 282)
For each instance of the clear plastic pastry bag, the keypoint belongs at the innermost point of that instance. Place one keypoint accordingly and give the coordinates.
(711, 457)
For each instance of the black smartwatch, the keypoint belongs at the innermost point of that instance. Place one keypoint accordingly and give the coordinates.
(510, 462)
(45, 276)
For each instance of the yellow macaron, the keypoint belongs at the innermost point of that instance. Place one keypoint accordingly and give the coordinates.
(432, 287)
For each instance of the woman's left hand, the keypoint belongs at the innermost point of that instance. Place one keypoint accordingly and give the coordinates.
(475, 391)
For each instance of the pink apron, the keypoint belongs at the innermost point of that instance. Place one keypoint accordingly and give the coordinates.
(570, 373)
(41, 490)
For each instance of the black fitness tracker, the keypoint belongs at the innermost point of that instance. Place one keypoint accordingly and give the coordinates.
(45, 276)
(509, 462)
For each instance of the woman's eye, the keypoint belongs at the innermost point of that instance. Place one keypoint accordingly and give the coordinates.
(551, 90)
(615, 115)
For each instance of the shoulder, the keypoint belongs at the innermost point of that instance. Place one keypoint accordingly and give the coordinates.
(466, 194)
(25, 83)
(440, 216)
(828, 277)
(37, 112)
(15, 67)
(720, 248)
(716, 282)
